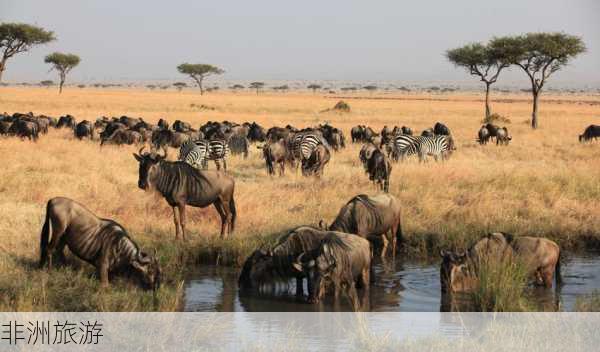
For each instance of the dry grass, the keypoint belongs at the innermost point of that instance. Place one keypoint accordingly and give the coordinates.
(545, 183)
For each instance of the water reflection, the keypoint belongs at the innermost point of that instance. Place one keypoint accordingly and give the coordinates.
(396, 286)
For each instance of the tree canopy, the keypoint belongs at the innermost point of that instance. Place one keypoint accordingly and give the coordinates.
(314, 87)
(480, 60)
(63, 63)
(18, 38)
(179, 85)
(199, 72)
(539, 55)
(257, 86)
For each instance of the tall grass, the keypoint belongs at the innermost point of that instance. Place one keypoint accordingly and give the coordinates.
(588, 303)
(543, 184)
(501, 287)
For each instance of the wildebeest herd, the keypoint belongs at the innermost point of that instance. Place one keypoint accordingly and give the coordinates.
(336, 256)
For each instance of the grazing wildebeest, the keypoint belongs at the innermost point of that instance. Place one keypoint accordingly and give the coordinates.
(502, 136)
(441, 129)
(84, 129)
(275, 153)
(180, 126)
(428, 133)
(163, 124)
(181, 184)
(591, 132)
(25, 129)
(66, 121)
(167, 138)
(379, 169)
(483, 136)
(374, 218)
(343, 260)
(276, 133)
(122, 136)
(5, 127)
(315, 164)
(540, 257)
(130, 122)
(492, 129)
(365, 154)
(266, 267)
(100, 242)
(239, 144)
(42, 123)
(357, 134)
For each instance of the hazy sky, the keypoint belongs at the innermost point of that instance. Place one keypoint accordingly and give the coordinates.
(280, 40)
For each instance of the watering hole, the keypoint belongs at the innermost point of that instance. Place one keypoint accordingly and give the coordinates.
(400, 286)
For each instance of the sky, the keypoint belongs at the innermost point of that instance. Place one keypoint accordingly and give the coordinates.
(369, 41)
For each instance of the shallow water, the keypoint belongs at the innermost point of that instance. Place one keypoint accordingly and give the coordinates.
(403, 286)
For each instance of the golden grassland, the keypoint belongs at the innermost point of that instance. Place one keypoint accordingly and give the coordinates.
(544, 184)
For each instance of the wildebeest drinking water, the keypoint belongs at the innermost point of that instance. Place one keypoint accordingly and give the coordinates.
(266, 267)
(181, 184)
(342, 259)
(100, 242)
(540, 258)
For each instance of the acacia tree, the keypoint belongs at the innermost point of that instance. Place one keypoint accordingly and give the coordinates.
(314, 87)
(63, 63)
(539, 55)
(18, 38)
(179, 85)
(257, 85)
(198, 72)
(482, 61)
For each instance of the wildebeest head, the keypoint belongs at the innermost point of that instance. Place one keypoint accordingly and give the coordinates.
(258, 269)
(454, 272)
(317, 270)
(147, 162)
(148, 268)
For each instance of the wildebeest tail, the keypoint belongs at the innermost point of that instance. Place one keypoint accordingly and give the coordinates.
(557, 274)
(268, 160)
(399, 236)
(233, 213)
(44, 237)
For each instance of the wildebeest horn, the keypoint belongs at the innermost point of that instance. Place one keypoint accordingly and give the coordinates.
(299, 259)
(141, 149)
(143, 257)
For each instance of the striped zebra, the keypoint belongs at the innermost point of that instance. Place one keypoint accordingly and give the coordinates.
(440, 146)
(304, 143)
(194, 153)
(198, 152)
(404, 145)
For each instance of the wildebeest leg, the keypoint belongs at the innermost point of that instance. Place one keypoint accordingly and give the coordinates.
(393, 232)
(384, 246)
(299, 288)
(58, 230)
(102, 266)
(353, 295)
(181, 208)
(547, 273)
(224, 165)
(217, 164)
(176, 220)
(282, 168)
(223, 213)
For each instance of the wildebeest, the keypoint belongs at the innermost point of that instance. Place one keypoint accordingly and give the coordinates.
(180, 126)
(428, 132)
(441, 129)
(502, 136)
(540, 257)
(315, 164)
(100, 242)
(25, 129)
(266, 267)
(344, 260)
(483, 136)
(84, 129)
(181, 184)
(163, 124)
(275, 153)
(492, 129)
(365, 153)
(239, 144)
(591, 132)
(5, 127)
(407, 130)
(167, 138)
(66, 121)
(122, 136)
(372, 217)
(256, 133)
(379, 169)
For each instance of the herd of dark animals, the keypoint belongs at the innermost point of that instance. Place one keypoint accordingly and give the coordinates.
(337, 256)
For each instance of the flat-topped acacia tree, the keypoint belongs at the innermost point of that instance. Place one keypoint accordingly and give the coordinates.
(482, 61)
(257, 85)
(198, 72)
(539, 55)
(18, 38)
(63, 63)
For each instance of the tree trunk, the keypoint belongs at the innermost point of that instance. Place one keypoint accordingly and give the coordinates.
(534, 117)
(199, 82)
(62, 82)
(2, 68)
(487, 101)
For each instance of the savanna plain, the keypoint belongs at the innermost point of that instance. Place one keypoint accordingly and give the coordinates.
(545, 183)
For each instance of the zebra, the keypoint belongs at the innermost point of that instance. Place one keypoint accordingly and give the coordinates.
(195, 153)
(218, 150)
(404, 145)
(304, 143)
(437, 146)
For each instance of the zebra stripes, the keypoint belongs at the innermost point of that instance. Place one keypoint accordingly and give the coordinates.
(439, 146)
(404, 145)
(304, 143)
(197, 153)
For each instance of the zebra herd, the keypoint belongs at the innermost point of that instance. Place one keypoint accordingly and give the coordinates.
(439, 146)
